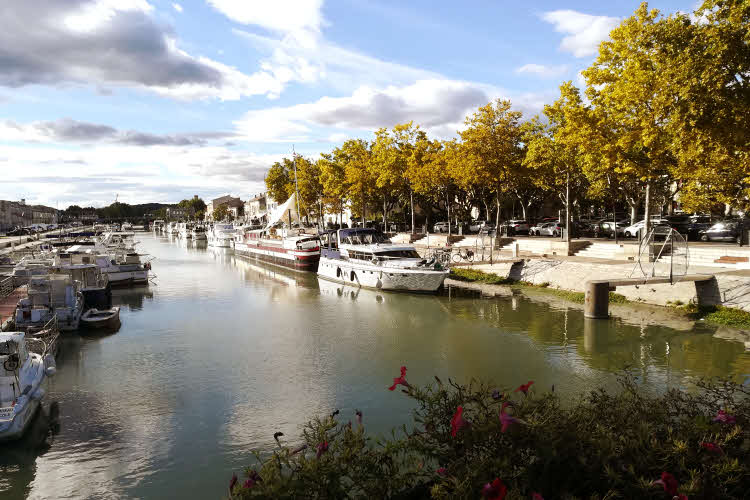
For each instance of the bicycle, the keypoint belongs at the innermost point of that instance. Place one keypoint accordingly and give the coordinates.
(463, 254)
(440, 255)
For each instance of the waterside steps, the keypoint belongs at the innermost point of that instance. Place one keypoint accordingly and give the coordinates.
(596, 302)
(732, 257)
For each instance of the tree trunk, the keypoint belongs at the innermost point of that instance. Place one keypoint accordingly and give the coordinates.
(363, 210)
(497, 214)
(411, 203)
(486, 210)
(448, 206)
(385, 217)
(633, 203)
(647, 208)
(567, 211)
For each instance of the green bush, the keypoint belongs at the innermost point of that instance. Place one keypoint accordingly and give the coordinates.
(472, 275)
(475, 440)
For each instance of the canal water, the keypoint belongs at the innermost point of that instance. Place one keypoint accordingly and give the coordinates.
(222, 352)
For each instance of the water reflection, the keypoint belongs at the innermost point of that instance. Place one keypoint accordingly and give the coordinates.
(222, 351)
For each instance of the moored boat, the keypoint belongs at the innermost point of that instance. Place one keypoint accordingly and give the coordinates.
(21, 376)
(101, 318)
(296, 251)
(364, 257)
(221, 235)
(199, 233)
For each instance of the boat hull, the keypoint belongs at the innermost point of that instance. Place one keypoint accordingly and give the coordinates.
(299, 260)
(380, 278)
(15, 428)
(110, 322)
(124, 279)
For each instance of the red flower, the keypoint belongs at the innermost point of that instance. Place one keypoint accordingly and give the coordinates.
(724, 418)
(536, 496)
(233, 482)
(442, 471)
(506, 419)
(248, 484)
(322, 448)
(712, 447)
(495, 490)
(400, 380)
(668, 482)
(524, 388)
(457, 422)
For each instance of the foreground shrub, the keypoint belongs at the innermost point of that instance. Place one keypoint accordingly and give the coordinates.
(479, 441)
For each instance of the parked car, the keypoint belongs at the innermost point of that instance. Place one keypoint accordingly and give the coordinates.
(722, 231)
(477, 225)
(537, 229)
(17, 231)
(607, 228)
(551, 229)
(517, 226)
(631, 231)
(697, 224)
(440, 227)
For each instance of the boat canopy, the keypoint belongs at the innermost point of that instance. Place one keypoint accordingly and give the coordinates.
(362, 236)
(279, 212)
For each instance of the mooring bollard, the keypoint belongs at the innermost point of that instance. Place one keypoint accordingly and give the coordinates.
(596, 303)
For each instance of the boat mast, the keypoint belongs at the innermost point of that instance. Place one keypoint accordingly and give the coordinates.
(296, 187)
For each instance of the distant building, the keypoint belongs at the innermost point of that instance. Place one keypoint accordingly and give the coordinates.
(18, 213)
(234, 206)
(258, 207)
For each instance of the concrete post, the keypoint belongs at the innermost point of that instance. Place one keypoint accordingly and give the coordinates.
(515, 249)
(596, 303)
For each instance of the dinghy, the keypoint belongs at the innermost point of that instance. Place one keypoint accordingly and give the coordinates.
(105, 318)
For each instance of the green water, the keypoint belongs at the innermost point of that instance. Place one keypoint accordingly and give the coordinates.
(222, 352)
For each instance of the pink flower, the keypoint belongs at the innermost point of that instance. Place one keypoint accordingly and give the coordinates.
(712, 447)
(322, 448)
(495, 490)
(400, 380)
(668, 482)
(524, 388)
(506, 419)
(233, 482)
(724, 418)
(248, 484)
(536, 496)
(442, 471)
(457, 422)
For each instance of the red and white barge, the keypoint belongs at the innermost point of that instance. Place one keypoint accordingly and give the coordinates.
(296, 251)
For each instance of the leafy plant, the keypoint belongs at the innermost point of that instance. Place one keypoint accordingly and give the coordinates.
(476, 439)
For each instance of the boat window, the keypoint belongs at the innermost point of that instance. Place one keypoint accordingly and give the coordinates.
(400, 254)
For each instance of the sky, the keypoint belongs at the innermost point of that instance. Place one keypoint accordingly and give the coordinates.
(155, 101)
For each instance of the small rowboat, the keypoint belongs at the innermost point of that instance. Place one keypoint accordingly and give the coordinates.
(106, 318)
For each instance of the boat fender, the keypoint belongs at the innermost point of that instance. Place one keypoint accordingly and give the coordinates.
(50, 366)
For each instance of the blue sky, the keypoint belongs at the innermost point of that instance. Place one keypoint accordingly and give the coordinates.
(155, 100)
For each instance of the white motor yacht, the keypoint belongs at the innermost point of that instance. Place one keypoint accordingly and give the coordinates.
(126, 226)
(186, 230)
(124, 269)
(158, 225)
(21, 376)
(199, 233)
(365, 257)
(221, 235)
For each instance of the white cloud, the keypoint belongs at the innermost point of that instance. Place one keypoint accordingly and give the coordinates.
(438, 105)
(542, 70)
(115, 43)
(138, 175)
(278, 15)
(177, 7)
(584, 32)
(312, 59)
